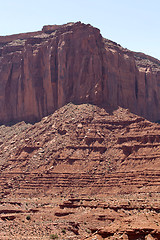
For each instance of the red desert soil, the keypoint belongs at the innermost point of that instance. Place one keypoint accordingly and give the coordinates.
(81, 173)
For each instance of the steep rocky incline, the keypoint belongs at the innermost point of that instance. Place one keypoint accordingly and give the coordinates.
(42, 71)
(81, 173)
(80, 141)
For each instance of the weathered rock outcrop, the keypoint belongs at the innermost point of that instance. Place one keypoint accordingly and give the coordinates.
(81, 173)
(42, 71)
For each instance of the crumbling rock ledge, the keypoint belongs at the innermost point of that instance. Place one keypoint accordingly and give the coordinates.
(81, 174)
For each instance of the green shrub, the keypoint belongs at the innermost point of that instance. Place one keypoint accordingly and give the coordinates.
(63, 231)
(28, 217)
(53, 236)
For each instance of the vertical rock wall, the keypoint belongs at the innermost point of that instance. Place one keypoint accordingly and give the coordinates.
(42, 71)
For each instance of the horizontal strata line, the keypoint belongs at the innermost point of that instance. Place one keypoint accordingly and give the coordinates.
(82, 186)
(109, 181)
(84, 181)
(144, 157)
(90, 178)
(147, 171)
(112, 122)
(30, 184)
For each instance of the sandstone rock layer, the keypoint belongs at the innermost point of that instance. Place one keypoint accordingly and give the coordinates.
(81, 173)
(42, 71)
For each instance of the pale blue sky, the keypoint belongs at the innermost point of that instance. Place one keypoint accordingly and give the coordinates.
(135, 24)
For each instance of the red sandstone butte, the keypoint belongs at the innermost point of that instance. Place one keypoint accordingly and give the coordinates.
(42, 71)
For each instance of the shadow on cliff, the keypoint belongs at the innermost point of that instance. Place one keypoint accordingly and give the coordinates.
(109, 109)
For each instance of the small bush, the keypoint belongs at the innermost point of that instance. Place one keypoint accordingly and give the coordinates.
(53, 236)
(28, 217)
(150, 194)
(63, 231)
(88, 230)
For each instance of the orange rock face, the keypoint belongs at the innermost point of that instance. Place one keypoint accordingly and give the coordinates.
(42, 71)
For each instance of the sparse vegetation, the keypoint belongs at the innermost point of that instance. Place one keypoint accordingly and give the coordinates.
(88, 231)
(28, 217)
(63, 231)
(53, 236)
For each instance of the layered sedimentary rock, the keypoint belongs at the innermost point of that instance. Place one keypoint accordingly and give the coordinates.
(81, 173)
(82, 146)
(42, 71)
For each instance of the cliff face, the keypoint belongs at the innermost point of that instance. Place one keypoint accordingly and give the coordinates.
(42, 71)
